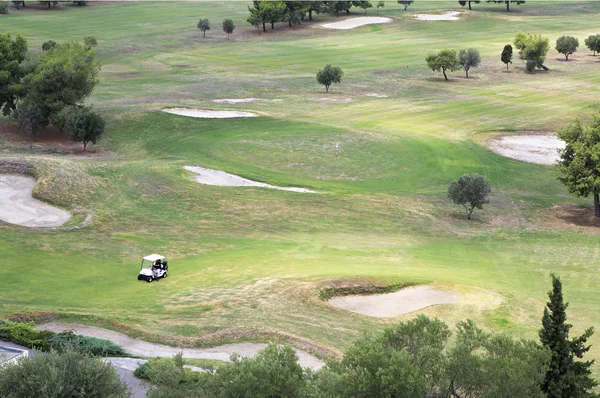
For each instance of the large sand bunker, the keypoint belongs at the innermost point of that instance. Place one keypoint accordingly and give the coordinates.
(142, 348)
(449, 16)
(206, 114)
(17, 206)
(532, 148)
(233, 101)
(223, 179)
(356, 22)
(393, 304)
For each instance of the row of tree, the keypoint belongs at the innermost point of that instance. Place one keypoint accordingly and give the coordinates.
(506, 2)
(50, 88)
(204, 25)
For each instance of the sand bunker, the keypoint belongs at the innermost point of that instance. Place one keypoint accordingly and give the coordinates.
(449, 16)
(377, 95)
(532, 148)
(233, 101)
(394, 304)
(17, 206)
(356, 22)
(223, 179)
(201, 113)
(142, 348)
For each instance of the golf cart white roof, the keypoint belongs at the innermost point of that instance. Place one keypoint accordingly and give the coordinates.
(154, 257)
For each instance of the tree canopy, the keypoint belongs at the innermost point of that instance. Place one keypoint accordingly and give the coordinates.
(465, 2)
(443, 61)
(329, 75)
(469, 59)
(593, 43)
(406, 3)
(506, 56)
(532, 49)
(228, 27)
(507, 2)
(12, 53)
(82, 124)
(203, 25)
(567, 45)
(471, 191)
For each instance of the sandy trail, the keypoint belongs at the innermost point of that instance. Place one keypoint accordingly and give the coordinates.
(17, 206)
(393, 304)
(233, 101)
(142, 348)
(449, 16)
(207, 114)
(532, 148)
(221, 178)
(356, 22)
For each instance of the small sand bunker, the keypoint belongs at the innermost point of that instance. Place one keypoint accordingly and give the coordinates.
(206, 114)
(356, 22)
(233, 101)
(449, 16)
(532, 148)
(17, 206)
(223, 179)
(377, 95)
(394, 304)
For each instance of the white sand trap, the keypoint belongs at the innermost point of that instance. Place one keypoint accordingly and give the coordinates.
(532, 148)
(233, 101)
(394, 304)
(17, 206)
(377, 95)
(206, 114)
(449, 16)
(223, 179)
(142, 348)
(356, 22)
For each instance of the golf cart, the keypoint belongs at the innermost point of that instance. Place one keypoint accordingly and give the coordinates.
(154, 267)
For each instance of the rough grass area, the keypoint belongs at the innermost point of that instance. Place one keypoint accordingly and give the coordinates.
(251, 264)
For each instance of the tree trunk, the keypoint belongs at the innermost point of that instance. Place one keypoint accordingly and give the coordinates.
(204, 34)
(469, 214)
(469, 6)
(290, 23)
(272, 25)
(264, 28)
(507, 5)
(596, 205)
(310, 15)
(466, 73)
(507, 67)
(326, 88)
(444, 72)
(85, 146)
(567, 57)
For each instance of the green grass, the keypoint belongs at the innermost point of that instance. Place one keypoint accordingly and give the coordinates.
(248, 264)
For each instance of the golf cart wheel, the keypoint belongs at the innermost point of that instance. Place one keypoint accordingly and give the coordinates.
(149, 279)
(165, 275)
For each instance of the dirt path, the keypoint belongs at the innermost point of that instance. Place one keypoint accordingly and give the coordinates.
(142, 348)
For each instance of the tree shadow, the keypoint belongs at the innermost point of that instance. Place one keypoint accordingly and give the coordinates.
(578, 215)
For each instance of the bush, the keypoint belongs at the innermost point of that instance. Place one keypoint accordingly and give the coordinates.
(65, 341)
(4, 7)
(143, 371)
(24, 334)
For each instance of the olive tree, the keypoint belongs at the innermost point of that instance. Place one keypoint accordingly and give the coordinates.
(228, 27)
(532, 49)
(12, 54)
(380, 4)
(406, 3)
(443, 61)
(471, 191)
(567, 45)
(507, 54)
(203, 25)
(464, 2)
(593, 43)
(329, 75)
(82, 124)
(469, 59)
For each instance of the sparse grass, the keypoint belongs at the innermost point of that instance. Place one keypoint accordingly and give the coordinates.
(247, 264)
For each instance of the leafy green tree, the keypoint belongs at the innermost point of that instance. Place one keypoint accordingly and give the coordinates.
(507, 2)
(406, 3)
(380, 4)
(54, 375)
(329, 75)
(579, 161)
(294, 12)
(90, 41)
(532, 49)
(12, 54)
(566, 377)
(593, 43)
(228, 27)
(255, 21)
(465, 2)
(4, 7)
(365, 5)
(203, 25)
(443, 61)
(471, 191)
(507, 54)
(48, 45)
(567, 45)
(274, 12)
(31, 117)
(317, 7)
(82, 124)
(469, 59)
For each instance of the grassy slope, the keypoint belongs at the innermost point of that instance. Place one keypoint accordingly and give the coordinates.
(248, 259)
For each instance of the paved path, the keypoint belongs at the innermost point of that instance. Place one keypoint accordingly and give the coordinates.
(142, 348)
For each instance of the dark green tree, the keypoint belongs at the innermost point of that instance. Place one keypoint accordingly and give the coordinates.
(31, 117)
(203, 25)
(380, 4)
(579, 161)
(469, 59)
(316, 7)
(471, 191)
(443, 61)
(48, 45)
(405, 3)
(4, 7)
(507, 54)
(465, 2)
(329, 75)
(228, 27)
(532, 49)
(12, 54)
(507, 2)
(82, 124)
(566, 377)
(593, 43)
(567, 45)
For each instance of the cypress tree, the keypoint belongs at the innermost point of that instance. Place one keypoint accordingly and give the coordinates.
(566, 377)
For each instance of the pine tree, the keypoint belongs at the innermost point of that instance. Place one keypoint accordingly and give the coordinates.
(566, 377)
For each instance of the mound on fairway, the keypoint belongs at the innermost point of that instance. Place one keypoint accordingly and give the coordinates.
(142, 348)
(394, 304)
(233, 101)
(223, 179)
(449, 16)
(207, 114)
(17, 206)
(532, 148)
(356, 22)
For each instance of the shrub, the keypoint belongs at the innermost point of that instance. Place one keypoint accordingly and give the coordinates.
(143, 371)
(4, 7)
(62, 342)
(24, 334)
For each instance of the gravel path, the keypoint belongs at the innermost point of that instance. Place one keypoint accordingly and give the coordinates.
(352, 23)
(142, 348)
